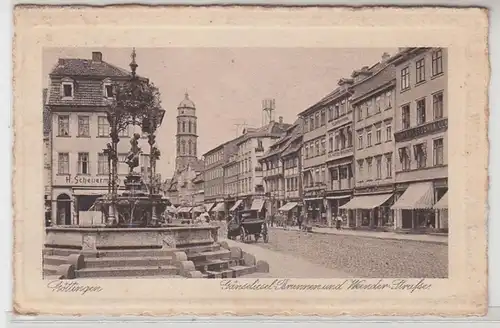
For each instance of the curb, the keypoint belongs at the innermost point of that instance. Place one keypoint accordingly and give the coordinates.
(373, 237)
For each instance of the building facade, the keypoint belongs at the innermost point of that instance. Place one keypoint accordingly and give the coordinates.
(78, 96)
(47, 159)
(281, 166)
(231, 168)
(421, 143)
(251, 148)
(373, 103)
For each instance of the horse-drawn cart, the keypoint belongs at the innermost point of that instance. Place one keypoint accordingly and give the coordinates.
(246, 224)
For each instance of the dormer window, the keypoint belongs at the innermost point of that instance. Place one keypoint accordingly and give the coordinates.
(108, 88)
(67, 88)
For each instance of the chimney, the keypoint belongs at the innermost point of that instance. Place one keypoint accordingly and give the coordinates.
(385, 57)
(61, 61)
(97, 56)
(280, 119)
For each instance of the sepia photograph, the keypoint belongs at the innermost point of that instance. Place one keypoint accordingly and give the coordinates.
(208, 161)
(253, 162)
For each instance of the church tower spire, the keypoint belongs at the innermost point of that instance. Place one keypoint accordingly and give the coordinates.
(187, 138)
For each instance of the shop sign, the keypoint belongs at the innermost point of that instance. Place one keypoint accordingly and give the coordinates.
(82, 180)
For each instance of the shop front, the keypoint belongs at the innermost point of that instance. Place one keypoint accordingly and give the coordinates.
(370, 211)
(441, 208)
(258, 205)
(414, 208)
(219, 211)
(238, 206)
(291, 209)
(185, 212)
(334, 201)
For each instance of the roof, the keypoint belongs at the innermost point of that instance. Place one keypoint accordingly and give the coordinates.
(87, 67)
(186, 102)
(383, 75)
(285, 144)
(273, 129)
(338, 92)
(198, 178)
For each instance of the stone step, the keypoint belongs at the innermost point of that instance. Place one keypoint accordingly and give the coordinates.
(55, 259)
(233, 272)
(211, 255)
(198, 249)
(128, 261)
(193, 243)
(131, 253)
(49, 269)
(212, 265)
(173, 276)
(138, 271)
(49, 251)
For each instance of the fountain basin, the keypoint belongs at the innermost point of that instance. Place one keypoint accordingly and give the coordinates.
(92, 239)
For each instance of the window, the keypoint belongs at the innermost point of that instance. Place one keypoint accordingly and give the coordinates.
(420, 155)
(405, 78)
(404, 158)
(311, 123)
(342, 139)
(63, 126)
(63, 163)
(323, 146)
(183, 126)
(369, 168)
(369, 139)
(189, 146)
(437, 105)
(378, 136)
(183, 146)
(67, 90)
(194, 127)
(108, 91)
(388, 99)
(323, 117)
(337, 111)
(437, 62)
(102, 126)
(360, 113)
(343, 107)
(438, 152)
(360, 170)
(405, 116)
(388, 133)
(317, 147)
(337, 141)
(360, 141)
(330, 143)
(124, 132)
(349, 137)
(83, 126)
(420, 70)
(330, 113)
(306, 154)
(83, 163)
(388, 166)
(190, 126)
(102, 164)
(379, 167)
(323, 174)
(367, 106)
(316, 120)
(378, 105)
(420, 111)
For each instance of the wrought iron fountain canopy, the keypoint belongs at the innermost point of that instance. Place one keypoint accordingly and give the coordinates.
(135, 102)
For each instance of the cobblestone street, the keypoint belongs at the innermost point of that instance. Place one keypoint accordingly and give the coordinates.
(362, 256)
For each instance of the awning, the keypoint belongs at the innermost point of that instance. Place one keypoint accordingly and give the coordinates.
(257, 204)
(287, 207)
(235, 206)
(184, 210)
(316, 198)
(89, 192)
(199, 209)
(219, 208)
(338, 197)
(417, 196)
(442, 204)
(209, 206)
(366, 202)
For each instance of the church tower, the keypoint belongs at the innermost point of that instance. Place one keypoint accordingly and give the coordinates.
(187, 138)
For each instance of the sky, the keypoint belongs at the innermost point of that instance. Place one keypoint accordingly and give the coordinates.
(228, 85)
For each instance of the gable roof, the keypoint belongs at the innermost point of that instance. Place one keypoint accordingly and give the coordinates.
(87, 67)
(273, 129)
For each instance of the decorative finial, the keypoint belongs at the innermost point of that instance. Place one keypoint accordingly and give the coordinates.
(133, 64)
(186, 95)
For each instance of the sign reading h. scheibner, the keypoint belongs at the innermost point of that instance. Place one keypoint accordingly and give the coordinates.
(81, 180)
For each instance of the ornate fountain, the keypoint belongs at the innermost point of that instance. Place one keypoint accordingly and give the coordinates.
(136, 102)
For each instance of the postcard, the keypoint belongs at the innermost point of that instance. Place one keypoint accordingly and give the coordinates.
(250, 161)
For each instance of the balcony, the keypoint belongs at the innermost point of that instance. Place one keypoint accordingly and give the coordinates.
(337, 154)
(422, 130)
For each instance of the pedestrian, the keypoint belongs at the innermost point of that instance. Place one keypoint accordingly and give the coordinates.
(299, 221)
(338, 222)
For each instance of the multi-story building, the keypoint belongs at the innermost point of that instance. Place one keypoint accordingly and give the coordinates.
(78, 96)
(373, 103)
(231, 168)
(281, 172)
(251, 147)
(47, 159)
(339, 157)
(214, 177)
(420, 135)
